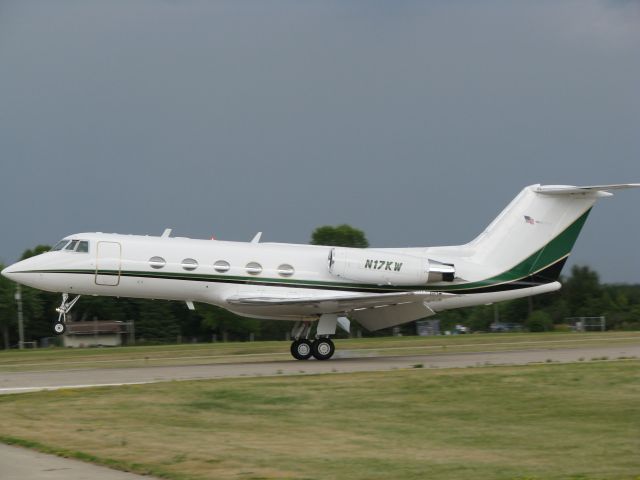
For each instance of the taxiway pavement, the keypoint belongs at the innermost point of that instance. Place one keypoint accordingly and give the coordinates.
(22, 464)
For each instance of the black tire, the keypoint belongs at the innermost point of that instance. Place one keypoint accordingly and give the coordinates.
(59, 328)
(301, 349)
(323, 349)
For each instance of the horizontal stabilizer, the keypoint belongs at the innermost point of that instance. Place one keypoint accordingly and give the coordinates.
(570, 189)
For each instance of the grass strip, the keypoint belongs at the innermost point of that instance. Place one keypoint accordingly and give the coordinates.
(550, 421)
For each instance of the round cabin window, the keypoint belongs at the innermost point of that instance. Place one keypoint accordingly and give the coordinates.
(253, 268)
(157, 262)
(189, 264)
(221, 266)
(285, 270)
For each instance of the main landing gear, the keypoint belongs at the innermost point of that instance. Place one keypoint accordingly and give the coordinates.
(59, 326)
(322, 348)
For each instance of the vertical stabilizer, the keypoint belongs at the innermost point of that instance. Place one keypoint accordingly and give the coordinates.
(535, 233)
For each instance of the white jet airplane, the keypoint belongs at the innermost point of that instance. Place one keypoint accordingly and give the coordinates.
(521, 253)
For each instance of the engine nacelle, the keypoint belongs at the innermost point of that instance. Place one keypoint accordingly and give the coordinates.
(384, 268)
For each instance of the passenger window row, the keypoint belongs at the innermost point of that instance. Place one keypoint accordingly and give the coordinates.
(222, 266)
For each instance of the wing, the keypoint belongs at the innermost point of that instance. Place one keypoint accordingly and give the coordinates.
(337, 303)
(373, 311)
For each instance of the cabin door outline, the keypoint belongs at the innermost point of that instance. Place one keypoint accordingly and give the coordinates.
(108, 263)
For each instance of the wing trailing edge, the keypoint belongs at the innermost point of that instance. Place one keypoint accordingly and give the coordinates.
(339, 303)
(391, 315)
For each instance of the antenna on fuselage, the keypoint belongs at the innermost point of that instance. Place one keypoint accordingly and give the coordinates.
(166, 233)
(256, 238)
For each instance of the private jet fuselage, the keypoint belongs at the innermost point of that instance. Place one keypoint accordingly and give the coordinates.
(520, 253)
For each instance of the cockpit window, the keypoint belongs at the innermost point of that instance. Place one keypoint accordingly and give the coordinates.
(60, 245)
(79, 246)
(72, 246)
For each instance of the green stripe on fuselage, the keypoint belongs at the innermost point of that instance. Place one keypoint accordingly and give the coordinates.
(551, 253)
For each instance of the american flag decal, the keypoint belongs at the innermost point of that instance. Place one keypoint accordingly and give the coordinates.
(529, 220)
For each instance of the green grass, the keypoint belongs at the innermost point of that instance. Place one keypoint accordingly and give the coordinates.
(60, 358)
(574, 421)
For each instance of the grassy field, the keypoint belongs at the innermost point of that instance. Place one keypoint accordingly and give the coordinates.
(573, 421)
(60, 358)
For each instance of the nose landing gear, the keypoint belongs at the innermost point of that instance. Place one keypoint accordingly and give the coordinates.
(59, 326)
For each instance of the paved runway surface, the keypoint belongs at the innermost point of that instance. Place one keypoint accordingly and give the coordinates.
(17, 382)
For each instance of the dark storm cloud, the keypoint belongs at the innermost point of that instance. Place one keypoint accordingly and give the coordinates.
(415, 121)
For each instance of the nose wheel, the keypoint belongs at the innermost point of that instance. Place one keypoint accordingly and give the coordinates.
(59, 326)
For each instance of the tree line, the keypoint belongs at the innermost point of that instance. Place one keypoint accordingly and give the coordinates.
(159, 321)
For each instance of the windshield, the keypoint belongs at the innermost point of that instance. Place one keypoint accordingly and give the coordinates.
(72, 246)
(60, 245)
(78, 246)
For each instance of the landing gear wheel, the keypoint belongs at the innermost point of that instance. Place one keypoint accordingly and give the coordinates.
(59, 328)
(301, 349)
(323, 349)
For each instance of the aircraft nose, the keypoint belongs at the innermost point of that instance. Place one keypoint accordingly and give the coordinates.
(9, 272)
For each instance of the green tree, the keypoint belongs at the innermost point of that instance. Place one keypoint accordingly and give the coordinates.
(340, 236)
(480, 318)
(558, 309)
(227, 325)
(38, 306)
(101, 308)
(37, 250)
(7, 308)
(155, 322)
(539, 321)
(514, 311)
(583, 292)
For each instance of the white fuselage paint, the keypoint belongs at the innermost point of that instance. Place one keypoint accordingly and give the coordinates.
(310, 264)
(519, 254)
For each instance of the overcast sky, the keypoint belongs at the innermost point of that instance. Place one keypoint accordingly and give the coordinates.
(415, 121)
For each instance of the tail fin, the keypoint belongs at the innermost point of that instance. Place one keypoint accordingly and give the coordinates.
(535, 233)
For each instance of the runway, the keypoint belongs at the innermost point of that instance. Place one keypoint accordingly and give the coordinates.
(349, 361)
